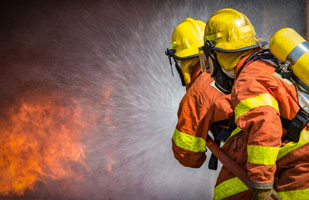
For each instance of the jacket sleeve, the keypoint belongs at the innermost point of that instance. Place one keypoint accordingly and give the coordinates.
(189, 144)
(257, 114)
(189, 147)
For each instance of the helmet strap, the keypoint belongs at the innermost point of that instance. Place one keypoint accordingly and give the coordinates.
(178, 68)
(170, 53)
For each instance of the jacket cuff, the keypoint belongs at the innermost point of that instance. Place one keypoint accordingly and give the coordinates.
(260, 185)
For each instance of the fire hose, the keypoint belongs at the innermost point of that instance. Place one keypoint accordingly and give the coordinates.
(228, 162)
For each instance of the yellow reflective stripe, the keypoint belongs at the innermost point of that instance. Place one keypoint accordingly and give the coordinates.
(189, 142)
(236, 130)
(300, 194)
(173, 44)
(228, 188)
(214, 36)
(303, 139)
(262, 155)
(253, 102)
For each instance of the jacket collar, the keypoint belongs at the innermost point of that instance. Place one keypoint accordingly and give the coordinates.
(242, 61)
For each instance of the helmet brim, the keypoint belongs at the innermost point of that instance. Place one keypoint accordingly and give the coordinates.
(188, 53)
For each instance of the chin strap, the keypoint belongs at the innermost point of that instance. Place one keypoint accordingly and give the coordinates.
(180, 74)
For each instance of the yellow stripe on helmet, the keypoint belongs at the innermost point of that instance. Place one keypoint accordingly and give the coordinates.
(213, 36)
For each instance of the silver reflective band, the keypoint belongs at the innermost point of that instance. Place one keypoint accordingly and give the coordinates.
(297, 52)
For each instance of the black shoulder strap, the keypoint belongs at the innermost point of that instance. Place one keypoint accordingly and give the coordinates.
(219, 135)
(221, 123)
(285, 123)
(225, 133)
(295, 126)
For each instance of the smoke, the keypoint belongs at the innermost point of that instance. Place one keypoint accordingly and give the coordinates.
(109, 57)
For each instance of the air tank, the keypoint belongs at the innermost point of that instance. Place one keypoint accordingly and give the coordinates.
(289, 47)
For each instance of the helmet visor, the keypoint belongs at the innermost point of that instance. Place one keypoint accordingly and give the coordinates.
(210, 64)
(209, 53)
(206, 61)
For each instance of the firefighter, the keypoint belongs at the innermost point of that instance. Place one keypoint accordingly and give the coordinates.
(189, 145)
(186, 39)
(262, 100)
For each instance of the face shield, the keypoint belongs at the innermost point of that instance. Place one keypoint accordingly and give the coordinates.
(211, 64)
(209, 59)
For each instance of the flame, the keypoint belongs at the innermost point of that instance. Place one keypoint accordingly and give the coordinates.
(111, 162)
(40, 139)
(108, 109)
(107, 93)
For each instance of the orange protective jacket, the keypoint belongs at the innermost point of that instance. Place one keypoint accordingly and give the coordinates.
(189, 144)
(259, 98)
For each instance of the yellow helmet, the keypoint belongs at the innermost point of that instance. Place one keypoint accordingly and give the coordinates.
(231, 31)
(187, 38)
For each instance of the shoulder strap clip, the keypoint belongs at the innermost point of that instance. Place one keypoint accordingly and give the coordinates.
(297, 125)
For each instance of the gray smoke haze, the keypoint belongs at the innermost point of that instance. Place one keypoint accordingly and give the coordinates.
(110, 55)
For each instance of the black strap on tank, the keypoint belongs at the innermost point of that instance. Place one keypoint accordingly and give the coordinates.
(253, 57)
(296, 125)
(285, 123)
(300, 121)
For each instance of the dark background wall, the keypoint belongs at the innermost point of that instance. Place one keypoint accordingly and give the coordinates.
(109, 57)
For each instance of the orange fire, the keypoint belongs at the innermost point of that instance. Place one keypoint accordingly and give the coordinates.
(108, 109)
(39, 140)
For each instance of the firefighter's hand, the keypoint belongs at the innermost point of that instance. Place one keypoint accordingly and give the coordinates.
(264, 194)
(260, 194)
(274, 195)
